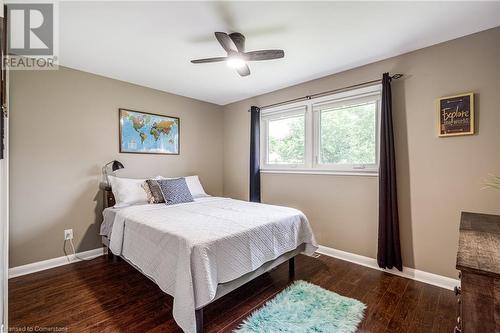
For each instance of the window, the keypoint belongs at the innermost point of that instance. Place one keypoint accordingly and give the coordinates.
(335, 133)
(286, 140)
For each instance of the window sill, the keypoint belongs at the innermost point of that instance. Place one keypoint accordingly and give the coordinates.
(321, 172)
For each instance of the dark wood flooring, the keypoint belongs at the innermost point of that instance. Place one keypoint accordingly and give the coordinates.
(101, 296)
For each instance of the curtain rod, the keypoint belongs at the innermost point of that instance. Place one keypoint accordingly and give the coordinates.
(308, 97)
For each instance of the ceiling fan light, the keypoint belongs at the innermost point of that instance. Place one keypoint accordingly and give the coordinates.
(236, 62)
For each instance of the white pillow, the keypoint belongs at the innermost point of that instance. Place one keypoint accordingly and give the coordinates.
(128, 191)
(194, 185)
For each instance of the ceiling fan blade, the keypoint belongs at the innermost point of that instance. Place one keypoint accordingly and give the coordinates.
(244, 70)
(238, 40)
(202, 61)
(226, 42)
(264, 55)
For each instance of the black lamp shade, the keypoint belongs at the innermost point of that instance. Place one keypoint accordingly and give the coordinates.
(116, 166)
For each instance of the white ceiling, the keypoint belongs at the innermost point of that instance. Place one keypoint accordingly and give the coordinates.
(151, 43)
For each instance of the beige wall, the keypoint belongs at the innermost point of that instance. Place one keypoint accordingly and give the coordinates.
(437, 177)
(63, 128)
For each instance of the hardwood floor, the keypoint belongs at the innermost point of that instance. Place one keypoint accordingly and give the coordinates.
(101, 296)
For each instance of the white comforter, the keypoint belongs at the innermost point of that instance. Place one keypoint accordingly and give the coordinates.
(188, 249)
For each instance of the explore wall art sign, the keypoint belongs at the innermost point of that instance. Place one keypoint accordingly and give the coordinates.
(456, 115)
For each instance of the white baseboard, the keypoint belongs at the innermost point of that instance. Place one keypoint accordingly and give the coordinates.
(410, 273)
(55, 262)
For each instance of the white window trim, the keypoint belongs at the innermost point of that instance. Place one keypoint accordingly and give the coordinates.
(310, 109)
(317, 108)
(281, 114)
(319, 172)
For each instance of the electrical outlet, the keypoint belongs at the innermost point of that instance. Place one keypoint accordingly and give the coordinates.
(68, 234)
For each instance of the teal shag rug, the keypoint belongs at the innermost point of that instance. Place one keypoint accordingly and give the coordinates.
(305, 308)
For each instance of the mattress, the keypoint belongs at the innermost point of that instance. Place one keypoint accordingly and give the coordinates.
(189, 249)
(109, 216)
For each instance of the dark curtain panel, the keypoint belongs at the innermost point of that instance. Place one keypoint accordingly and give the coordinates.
(254, 154)
(389, 252)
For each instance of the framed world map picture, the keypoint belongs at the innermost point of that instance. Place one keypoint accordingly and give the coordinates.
(148, 133)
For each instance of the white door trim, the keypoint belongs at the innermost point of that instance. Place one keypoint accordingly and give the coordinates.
(4, 209)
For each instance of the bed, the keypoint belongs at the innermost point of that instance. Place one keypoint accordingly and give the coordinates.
(198, 252)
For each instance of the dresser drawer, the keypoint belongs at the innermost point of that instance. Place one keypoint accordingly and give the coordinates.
(478, 260)
(477, 303)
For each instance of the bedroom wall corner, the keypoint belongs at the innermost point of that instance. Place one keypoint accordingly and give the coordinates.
(64, 128)
(437, 177)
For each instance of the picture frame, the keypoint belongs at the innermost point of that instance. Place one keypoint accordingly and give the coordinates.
(456, 115)
(148, 133)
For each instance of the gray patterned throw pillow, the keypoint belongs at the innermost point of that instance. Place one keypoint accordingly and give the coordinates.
(175, 191)
(156, 194)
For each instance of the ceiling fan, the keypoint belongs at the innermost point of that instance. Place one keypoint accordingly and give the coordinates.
(234, 45)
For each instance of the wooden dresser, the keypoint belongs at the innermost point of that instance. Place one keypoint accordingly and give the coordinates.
(478, 260)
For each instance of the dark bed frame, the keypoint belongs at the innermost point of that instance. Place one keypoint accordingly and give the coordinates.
(199, 312)
(109, 201)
